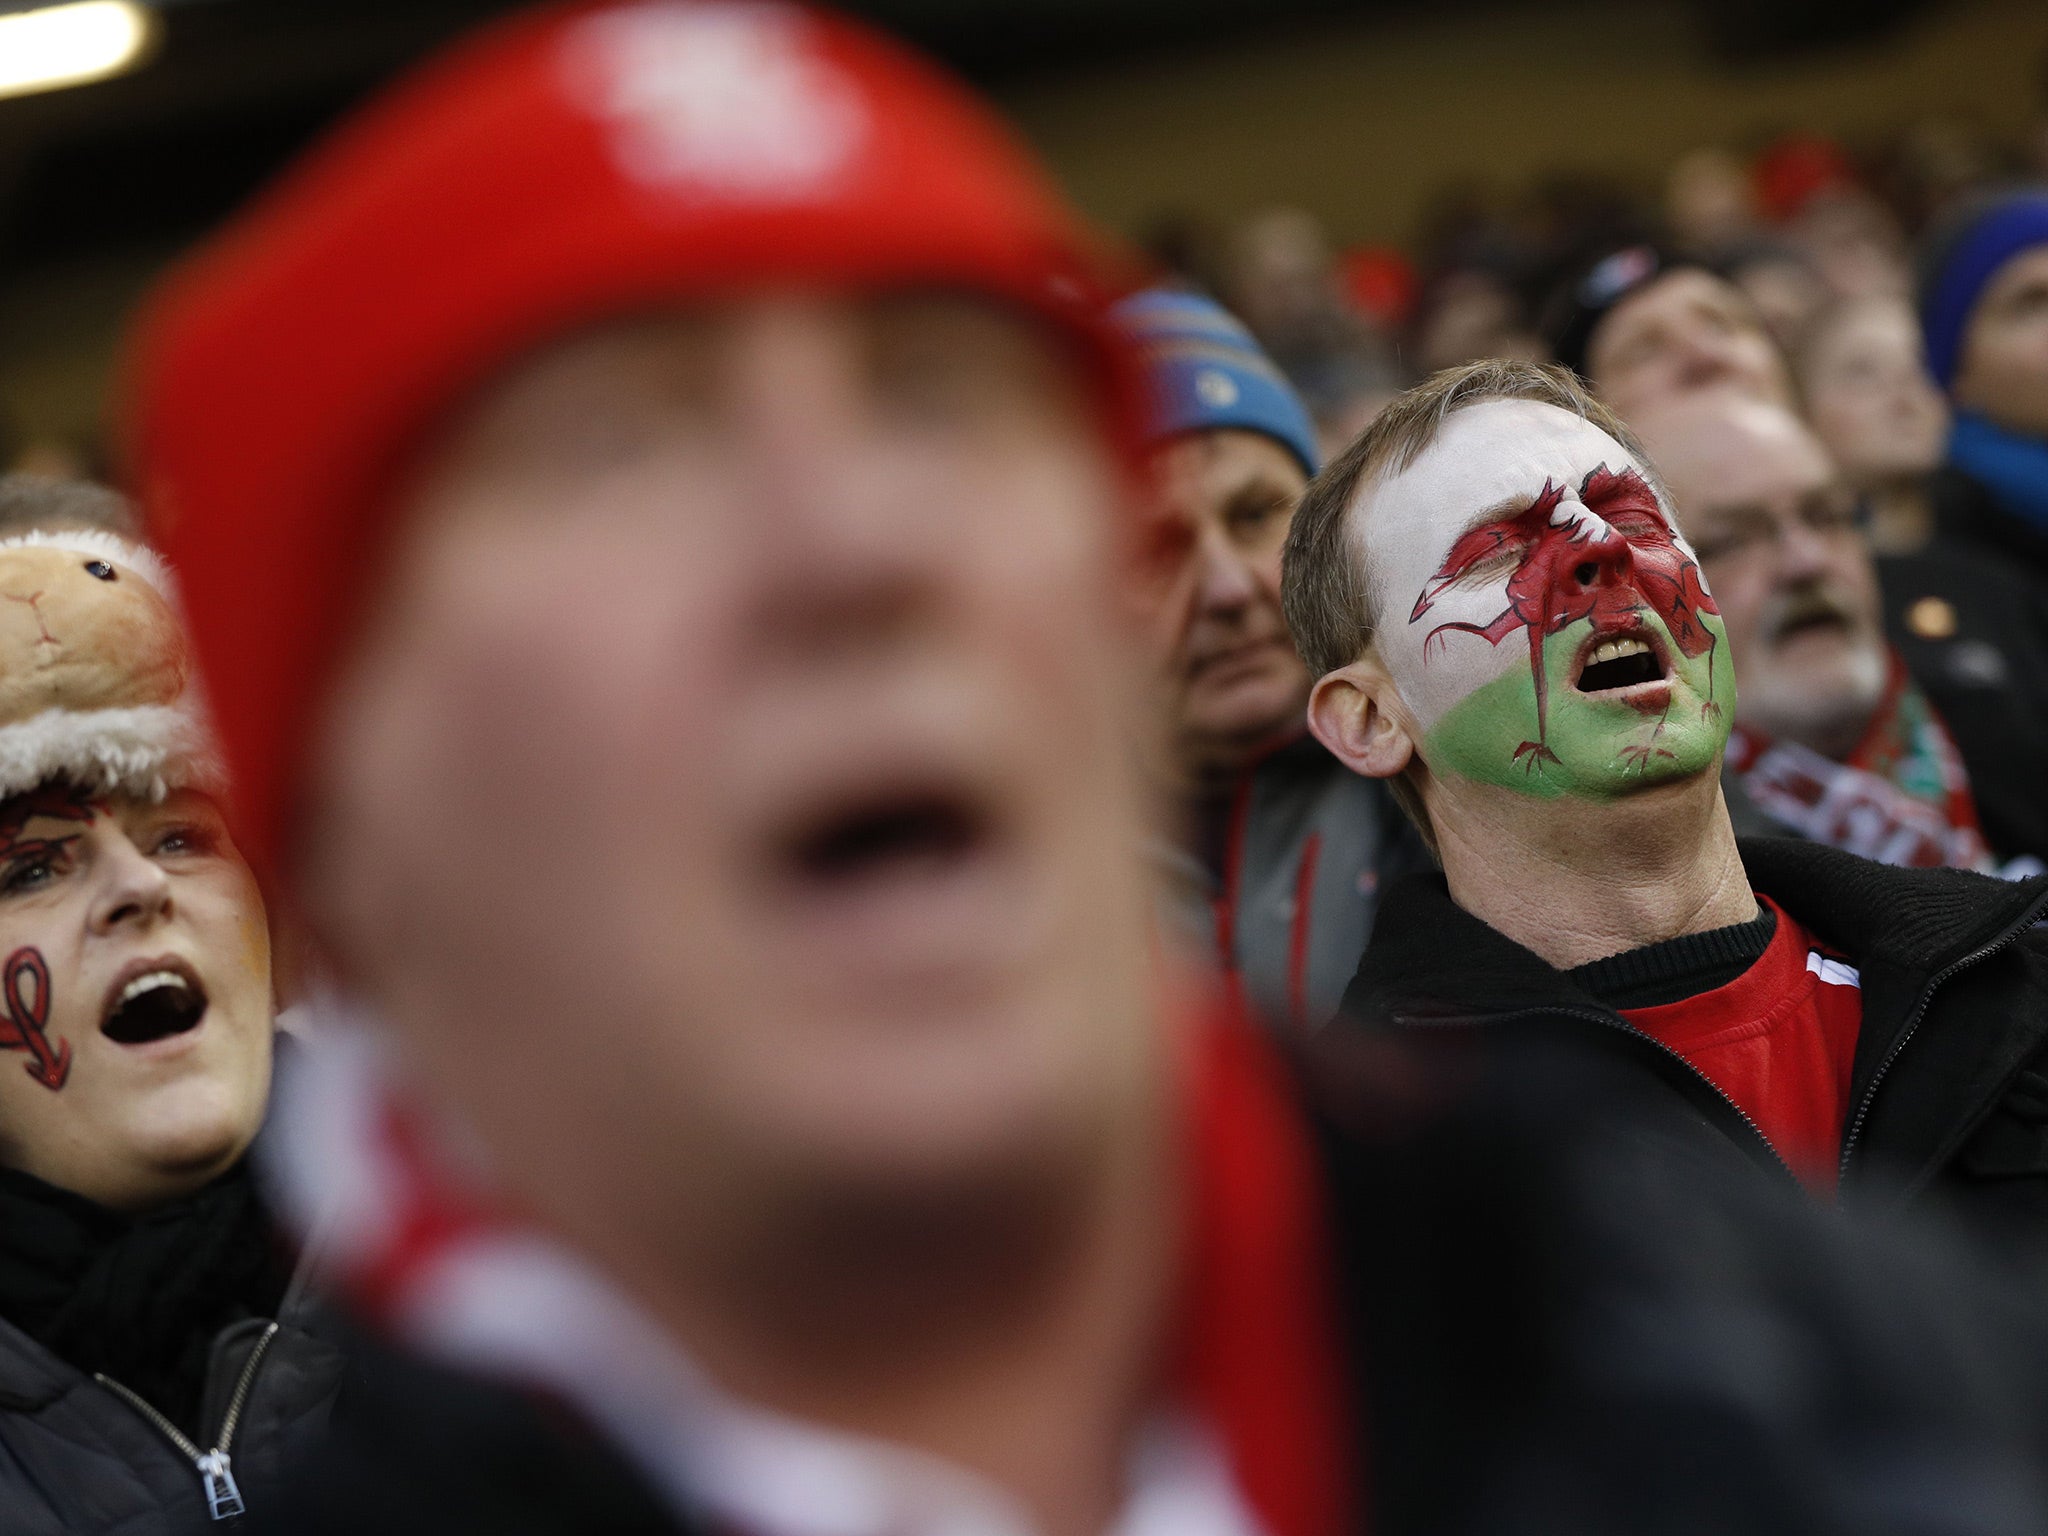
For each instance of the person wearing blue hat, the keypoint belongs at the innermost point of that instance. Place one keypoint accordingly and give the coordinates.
(1984, 305)
(1278, 874)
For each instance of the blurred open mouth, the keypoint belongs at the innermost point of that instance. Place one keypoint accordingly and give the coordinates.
(153, 1000)
(906, 835)
(1628, 665)
(919, 878)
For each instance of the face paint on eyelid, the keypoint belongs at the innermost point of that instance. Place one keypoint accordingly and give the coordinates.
(1548, 589)
(56, 801)
(25, 989)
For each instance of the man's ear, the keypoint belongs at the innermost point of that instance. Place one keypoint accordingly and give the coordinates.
(1351, 712)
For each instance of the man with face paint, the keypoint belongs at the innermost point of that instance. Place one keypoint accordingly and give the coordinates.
(1506, 622)
(656, 495)
(1281, 851)
(151, 1366)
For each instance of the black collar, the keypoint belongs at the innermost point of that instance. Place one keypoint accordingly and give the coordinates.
(1431, 961)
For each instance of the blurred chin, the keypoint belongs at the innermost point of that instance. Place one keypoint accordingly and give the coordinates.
(953, 1103)
(1826, 688)
(193, 1130)
(1247, 708)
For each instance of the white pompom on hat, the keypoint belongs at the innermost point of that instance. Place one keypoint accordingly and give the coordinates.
(97, 680)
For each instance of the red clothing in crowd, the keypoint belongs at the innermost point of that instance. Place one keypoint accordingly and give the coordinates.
(1779, 1040)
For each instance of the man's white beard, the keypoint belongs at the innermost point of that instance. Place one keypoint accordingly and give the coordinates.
(1798, 710)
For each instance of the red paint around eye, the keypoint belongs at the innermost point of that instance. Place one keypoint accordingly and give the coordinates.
(56, 800)
(1569, 572)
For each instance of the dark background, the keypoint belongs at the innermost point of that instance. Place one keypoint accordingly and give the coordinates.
(159, 155)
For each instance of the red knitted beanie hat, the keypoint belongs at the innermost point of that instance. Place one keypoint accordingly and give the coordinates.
(559, 168)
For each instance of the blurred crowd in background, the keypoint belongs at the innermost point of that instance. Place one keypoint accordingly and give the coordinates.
(877, 915)
(1819, 235)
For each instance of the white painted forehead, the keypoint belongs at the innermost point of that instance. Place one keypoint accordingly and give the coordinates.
(1502, 448)
(1485, 455)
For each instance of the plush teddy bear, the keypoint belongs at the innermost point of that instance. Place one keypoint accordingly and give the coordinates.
(96, 678)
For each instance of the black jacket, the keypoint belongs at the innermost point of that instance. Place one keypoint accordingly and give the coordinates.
(1561, 1314)
(1973, 630)
(1949, 1092)
(153, 1364)
(1968, 514)
(79, 1459)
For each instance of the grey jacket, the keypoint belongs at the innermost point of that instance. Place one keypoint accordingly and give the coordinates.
(80, 1458)
(1286, 902)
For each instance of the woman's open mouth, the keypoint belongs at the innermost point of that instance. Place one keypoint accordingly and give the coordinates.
(153, 1000)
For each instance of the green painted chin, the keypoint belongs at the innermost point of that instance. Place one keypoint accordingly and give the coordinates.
(1591, 747)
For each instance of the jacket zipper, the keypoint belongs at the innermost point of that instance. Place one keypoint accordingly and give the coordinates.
(1615, 1021)
(2010, 936)
(216, 1468)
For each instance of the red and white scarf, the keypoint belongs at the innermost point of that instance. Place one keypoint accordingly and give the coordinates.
(1902, 797)
(408, 1234)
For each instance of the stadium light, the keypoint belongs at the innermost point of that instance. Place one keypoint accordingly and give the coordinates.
(59, 45)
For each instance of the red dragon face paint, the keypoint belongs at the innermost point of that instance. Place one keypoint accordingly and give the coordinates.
(1555, 634)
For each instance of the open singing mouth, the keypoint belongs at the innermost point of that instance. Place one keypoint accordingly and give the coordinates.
(153, 1000)
(1610, 663)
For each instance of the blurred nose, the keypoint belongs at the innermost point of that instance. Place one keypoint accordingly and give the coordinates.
(1803, 555)
(1703, 359)
(133, 890)
(845, 556)
(1227, 585)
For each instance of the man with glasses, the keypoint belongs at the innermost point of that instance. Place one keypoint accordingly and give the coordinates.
(1842, 736)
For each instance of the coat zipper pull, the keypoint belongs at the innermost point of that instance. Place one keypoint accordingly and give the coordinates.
(223, 1496)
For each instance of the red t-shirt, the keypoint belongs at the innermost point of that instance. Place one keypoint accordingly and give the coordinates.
(1779, 1040)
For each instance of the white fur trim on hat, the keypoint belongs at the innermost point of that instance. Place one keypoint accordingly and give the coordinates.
(146, 751)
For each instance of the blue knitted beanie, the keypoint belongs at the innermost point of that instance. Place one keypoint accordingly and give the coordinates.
(1962, 260)
(1208, 372)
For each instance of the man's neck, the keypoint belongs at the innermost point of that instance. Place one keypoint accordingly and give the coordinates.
(1011, 1332)
(1577, 880)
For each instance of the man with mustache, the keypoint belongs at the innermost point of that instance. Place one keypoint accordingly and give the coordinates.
(1836, 738)
(1506, 624)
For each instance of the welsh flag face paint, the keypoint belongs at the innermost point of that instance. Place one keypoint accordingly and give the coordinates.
(1543, 619)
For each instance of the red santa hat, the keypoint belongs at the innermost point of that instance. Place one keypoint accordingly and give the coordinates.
(556, 169)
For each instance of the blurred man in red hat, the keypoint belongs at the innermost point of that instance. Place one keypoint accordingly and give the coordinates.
(652, 491)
